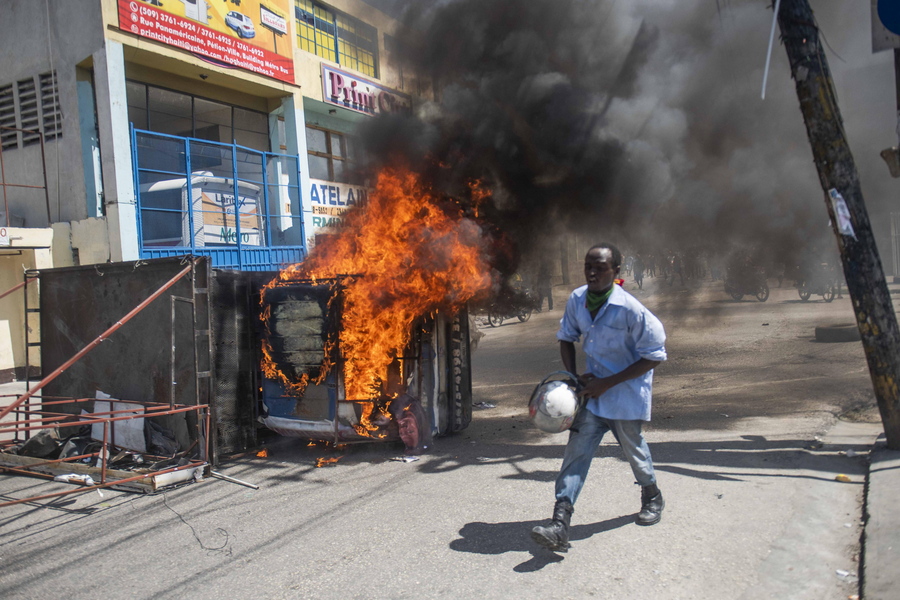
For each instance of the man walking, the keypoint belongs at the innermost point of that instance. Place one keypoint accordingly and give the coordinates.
(623, 342)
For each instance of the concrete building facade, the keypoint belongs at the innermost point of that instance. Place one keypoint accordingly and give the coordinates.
(134, 129)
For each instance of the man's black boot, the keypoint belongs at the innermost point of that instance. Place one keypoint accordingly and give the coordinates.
(652, 505)
(555, 535)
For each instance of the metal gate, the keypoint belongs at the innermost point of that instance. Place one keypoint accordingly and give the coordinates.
(162, 355)
(239, 206)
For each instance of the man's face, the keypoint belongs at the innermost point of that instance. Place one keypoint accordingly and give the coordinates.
(598, 269)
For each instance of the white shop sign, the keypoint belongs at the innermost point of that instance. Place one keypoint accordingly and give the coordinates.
(361, 95)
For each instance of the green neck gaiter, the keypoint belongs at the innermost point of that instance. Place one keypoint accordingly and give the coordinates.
(597, 299)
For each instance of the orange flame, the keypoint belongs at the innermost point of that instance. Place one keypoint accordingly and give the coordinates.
(479, 194)
(408, 254)
(321, 462)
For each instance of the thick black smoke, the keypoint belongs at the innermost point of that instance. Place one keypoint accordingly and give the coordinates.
(637, 120)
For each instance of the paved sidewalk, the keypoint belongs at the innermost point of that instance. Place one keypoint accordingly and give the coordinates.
(881, 550)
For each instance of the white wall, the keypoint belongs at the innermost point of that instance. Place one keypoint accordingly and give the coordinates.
(29, 249)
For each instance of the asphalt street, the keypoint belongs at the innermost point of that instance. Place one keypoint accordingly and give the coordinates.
(753, 422)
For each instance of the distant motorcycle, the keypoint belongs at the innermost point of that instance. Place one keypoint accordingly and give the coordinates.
(510, 303)
(748, 280)
(497, 316)
(519, 304)
(822, 282)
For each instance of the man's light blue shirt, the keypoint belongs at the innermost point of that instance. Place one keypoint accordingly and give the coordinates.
(623, 332)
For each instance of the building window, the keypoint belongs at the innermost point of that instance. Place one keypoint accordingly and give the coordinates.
(31, 105)
(337, 37)
(8, 137)
(331, 155)
(166, 111)
(51, 115)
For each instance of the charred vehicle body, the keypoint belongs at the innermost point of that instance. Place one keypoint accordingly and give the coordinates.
(425, 391)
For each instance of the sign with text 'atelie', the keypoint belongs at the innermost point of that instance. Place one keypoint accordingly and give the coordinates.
(361, 95)
(326, 204)
(217, 30)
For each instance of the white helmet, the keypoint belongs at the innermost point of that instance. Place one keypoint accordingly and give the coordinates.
(553, 406)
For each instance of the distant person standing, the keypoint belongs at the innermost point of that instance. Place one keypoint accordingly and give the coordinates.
(677, 268)
(638, 269)
(623, 342)
(544, 285)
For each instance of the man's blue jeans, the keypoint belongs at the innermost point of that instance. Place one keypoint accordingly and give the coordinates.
(585, 435)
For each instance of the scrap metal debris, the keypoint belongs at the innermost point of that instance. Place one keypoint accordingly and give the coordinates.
(66, 449)
(232, 480)
(405, 459)
(75, 478)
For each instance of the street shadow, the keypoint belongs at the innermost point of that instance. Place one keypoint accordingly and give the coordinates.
(749, 457)
(500, 538)
(726, 460)
(696, 474)
(877, 470)
(539, 476)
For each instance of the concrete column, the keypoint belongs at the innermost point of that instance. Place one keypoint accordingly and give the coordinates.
(295, 140)
(90, 145)
(115, 145)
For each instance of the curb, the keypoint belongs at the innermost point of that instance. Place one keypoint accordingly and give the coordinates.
(838, 332)
(880, 551)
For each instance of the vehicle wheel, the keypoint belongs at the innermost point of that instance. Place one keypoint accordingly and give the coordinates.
(494, 319)
(804, 292)
(524, 314)
(829, 294)
(763, 294)
(736, 296)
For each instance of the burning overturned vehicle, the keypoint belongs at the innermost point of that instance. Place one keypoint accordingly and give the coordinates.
(321, 384)
(368, 338)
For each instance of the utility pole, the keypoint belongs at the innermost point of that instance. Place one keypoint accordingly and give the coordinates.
(844, 201)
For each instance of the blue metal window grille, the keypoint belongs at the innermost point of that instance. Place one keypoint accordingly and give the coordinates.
(239, 206)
